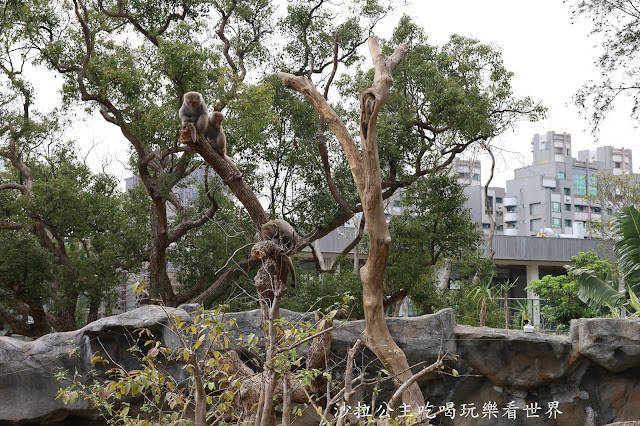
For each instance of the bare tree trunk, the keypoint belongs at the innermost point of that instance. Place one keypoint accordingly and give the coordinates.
(94, 306)
(286, 399)
(490, 251)
(201, 395)
(318, 358)
(270, 283)
(160, 285)
(365, 168)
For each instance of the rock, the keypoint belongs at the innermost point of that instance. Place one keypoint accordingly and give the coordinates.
(28, 388)
(630, 423)
(613, 343)
(592, 375)
(512, 357)
(190, 308)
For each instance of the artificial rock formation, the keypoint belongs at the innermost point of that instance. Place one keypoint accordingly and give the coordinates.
(592, 375)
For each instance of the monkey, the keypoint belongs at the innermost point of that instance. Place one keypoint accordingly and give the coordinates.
(215, 134)
(193, 113)
(280, 231)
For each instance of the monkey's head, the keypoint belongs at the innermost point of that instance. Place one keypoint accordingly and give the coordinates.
(193, 100)
(269, 230)
(257, 253)
(217, 117)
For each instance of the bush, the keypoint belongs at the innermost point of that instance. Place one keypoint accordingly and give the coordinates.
(563, 304)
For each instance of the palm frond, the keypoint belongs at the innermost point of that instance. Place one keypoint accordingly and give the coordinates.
(626, 225)
(594, 291)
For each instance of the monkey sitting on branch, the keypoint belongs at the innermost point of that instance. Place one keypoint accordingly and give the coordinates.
(278, 240)
(194, 115)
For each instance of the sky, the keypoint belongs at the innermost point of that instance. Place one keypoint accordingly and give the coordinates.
(550, 55)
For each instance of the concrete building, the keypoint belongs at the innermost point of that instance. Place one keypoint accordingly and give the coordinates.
(478, 208)
(549, 194)
(468, 171)
(617, 161)
(550, 147)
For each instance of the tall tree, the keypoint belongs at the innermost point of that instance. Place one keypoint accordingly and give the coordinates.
(86, 236)
(436, 226)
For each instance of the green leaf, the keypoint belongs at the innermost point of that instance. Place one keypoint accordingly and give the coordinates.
(593, 290)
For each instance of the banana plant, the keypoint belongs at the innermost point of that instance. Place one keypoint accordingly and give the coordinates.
(601, 290)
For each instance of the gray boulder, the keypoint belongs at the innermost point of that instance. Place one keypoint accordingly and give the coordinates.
(28, 387)
(592, 374)
(613, 343)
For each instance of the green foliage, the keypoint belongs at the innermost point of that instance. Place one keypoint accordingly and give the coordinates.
(435, 226)
(444, 100)
(562, 301)
(325, 290)
(203, 254)
(99, 233)
(27, 270)
(468, 311)
(165, 400)
(599, 284)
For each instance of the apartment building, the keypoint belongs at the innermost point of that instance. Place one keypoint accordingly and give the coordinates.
(467, 171)
(549, 194)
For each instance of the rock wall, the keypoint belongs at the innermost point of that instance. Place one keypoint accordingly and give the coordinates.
(593, 375)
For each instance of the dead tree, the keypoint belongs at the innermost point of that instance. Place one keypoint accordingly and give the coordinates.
(270, 282)
(365, 168)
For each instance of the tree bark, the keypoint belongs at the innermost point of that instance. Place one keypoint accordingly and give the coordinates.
(230, 175)
(270, 283)
(365, 168)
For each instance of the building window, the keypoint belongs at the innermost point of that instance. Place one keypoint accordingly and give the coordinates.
(567, 222)
(567, 207)
(609, 212)
(535, 209)
(580, 208)
(498, 200)
(562, 175)
(499, 228)
(555, 222)
(511, 209)
(595, 209)
(617, 164)
(567, 191)
(396, 203)
(555, 207)
(486, 226)
(476, 176)
(579, 185)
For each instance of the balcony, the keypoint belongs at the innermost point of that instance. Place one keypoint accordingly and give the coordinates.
(510, 217)
(509, 201)
(582, 216)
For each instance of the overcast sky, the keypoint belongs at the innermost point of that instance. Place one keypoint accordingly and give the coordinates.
(550, 56)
